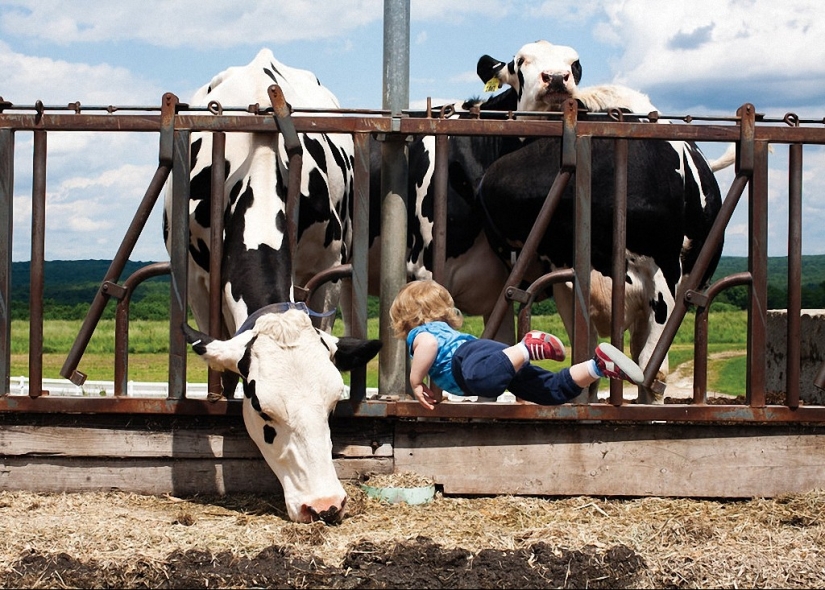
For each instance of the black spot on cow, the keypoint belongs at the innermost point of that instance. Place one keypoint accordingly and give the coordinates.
(324, 342)
(269, 434)
(316, 151)
(659, 310)
(256, 404)
(271, 73)
(265, 416)
(249, 389)
(315, 205)
(246, 360)
(194, 151)
(200, 253)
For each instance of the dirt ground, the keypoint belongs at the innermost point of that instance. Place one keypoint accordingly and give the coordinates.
(121, 540)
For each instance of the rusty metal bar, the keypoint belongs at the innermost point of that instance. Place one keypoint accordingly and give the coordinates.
(700, 332)
(295, 154)
(619, 261)
(794, 351)
(335, 123)
(758, 267)
(360, 259)
(179, 264)
(602, 411)
(582, 259)
(525, 313)
(216, 208)
(124, 294)
(6, 223)
(440, 186)
(38, 244)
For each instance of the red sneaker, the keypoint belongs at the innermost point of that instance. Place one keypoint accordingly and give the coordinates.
(543, 346)
(614, 364)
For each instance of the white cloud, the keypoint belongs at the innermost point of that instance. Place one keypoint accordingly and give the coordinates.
(768, 50)
(189, 23)
(56, 82)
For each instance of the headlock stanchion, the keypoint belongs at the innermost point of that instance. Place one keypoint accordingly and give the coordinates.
(176, 122)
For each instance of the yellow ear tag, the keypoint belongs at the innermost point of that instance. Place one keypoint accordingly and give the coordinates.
(492, 85)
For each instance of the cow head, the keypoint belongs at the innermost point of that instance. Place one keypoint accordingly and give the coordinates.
(542, 74)
(291, 383)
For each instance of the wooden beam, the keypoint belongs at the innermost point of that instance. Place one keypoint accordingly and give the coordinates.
(614, 460)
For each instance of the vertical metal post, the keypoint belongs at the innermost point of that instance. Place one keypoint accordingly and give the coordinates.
(36, 273)
(218, 179)
(582, 258)
(179, 260)
(619, 261)
(794, 353)
(758, 267)
(440, 184)
(6, 216)
(392, 365)
(360, 258)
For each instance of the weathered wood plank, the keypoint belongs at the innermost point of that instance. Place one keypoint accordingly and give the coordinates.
(155, 476)
(77, 441)
(614, 460)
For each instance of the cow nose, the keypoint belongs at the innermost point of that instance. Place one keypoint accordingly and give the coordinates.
(331, 514)
(554, 80)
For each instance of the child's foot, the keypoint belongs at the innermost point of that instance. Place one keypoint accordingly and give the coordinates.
(543, 346)
(614, 364)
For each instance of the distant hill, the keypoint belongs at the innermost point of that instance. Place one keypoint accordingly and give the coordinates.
(813, 269)
(68, 281)
(70, 286)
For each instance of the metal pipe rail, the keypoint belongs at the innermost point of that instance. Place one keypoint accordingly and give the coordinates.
(175, 122)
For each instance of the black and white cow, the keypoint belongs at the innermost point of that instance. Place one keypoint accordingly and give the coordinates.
(673, 198)
(256, 186)
(290, 379)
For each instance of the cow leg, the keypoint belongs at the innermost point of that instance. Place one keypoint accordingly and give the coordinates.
(647, 329)
(563, 294)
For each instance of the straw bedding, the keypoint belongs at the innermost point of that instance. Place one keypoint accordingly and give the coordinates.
(123, 540)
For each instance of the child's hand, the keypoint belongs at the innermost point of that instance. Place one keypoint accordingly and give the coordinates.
(425, 396)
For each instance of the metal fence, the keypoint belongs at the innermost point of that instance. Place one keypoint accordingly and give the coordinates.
(174, 123)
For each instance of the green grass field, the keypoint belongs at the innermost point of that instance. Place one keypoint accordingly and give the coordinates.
(149, 343)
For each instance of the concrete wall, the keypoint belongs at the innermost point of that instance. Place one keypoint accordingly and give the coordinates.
(812, 334)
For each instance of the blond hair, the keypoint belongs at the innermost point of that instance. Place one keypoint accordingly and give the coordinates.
(419, 302)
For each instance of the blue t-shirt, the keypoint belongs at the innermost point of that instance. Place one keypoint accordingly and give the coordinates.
(449, 339)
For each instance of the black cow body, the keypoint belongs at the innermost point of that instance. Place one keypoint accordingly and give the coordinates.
(673, 199)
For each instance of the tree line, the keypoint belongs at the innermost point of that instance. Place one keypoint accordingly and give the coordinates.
(70, 287)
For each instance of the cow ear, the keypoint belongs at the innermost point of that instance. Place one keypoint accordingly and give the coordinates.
(576, 68)
(354, 352)
(488, 68)
(222, 355)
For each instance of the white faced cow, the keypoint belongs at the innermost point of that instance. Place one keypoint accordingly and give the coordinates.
(673, 199)
(291, 383)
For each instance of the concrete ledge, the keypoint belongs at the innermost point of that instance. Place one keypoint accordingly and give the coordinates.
(812, 353)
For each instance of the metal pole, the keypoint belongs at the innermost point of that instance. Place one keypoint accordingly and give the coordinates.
(6, 216)
(396, 91)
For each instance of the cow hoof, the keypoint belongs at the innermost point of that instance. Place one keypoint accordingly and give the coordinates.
(213, 396)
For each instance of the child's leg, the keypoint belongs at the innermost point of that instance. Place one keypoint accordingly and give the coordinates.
(540, 386)
(609, 362)
(483, 368)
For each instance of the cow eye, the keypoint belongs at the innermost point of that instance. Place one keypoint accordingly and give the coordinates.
(520, 61)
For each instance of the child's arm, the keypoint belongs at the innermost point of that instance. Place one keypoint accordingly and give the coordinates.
(424, 349)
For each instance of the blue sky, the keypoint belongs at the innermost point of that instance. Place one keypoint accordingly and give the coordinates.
(702, 57)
